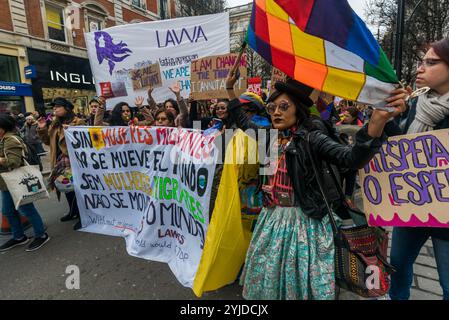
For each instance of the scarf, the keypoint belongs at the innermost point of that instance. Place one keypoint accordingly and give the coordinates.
(431, 109)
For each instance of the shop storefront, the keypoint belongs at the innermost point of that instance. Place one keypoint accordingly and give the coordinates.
(12, 91)
(59, 75)
(11, 96)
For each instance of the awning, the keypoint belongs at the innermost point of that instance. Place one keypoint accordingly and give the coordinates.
(15, 89)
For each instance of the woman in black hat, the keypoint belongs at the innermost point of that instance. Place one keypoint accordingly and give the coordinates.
(53, 136)
(291, 255)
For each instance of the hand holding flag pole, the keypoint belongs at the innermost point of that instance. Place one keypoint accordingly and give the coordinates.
(234, 73)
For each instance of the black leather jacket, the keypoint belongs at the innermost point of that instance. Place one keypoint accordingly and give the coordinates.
(325, 150)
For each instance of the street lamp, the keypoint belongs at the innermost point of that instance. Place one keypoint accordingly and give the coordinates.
(399, 38)
(401, 26)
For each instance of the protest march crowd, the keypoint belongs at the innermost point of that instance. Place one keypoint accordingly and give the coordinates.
(298, 240)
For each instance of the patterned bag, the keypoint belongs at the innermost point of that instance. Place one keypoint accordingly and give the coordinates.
(25, 184)
(361, 261)
(360, 250)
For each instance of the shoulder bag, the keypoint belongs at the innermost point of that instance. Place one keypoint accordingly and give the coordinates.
(26, 184)
(360, 250)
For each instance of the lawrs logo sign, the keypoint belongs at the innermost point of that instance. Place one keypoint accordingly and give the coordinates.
(108, 50)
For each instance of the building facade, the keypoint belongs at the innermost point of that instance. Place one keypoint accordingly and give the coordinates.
(42, 49)
(239, 18)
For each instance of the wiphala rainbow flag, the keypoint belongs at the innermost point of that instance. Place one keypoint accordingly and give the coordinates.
(324, 44)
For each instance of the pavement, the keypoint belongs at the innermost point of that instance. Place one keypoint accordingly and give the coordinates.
(108, 272)
(425, 280)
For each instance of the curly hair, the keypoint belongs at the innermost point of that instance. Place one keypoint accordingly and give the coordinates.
(116, 115)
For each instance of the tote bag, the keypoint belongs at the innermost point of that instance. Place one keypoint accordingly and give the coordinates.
(25, 184)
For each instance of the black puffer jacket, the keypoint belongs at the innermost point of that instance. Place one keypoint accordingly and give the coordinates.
(326, 150)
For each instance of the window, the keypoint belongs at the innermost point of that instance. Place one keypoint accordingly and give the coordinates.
(96, 17)
(55, 23)
(139, 3)
(9, 72)
(163, 10)
(94, 24)
(9, 69)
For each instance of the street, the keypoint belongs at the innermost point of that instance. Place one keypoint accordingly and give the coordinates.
(106, 269)
(108, 272)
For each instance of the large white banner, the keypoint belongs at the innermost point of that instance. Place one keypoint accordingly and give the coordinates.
(148, 185)
(119, 53)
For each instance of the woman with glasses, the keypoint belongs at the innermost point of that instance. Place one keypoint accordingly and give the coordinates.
(219, 111)
(429, 112)
(291, 254)
(177, 107)
(164, 118)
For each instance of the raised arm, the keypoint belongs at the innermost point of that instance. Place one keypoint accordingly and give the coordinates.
(42, 130)
(144, 110)
(99, 115)
(183, 111)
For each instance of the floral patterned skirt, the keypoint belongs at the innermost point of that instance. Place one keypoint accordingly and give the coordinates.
(291, 256)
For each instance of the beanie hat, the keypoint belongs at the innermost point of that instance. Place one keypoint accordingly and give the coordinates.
(253, 101)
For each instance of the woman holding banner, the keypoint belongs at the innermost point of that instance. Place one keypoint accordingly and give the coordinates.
(164, 118)
(123, 115)
(53, 136)
(178, 108)
(291, 255)
(429, 112)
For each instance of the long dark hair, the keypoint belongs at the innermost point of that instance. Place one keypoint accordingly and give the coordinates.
(174, 103)
(354, 112)
(116, 115)
(302, 111)
(214, 112)
(441, 48)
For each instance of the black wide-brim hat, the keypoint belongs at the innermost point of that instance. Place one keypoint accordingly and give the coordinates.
(62, 102)
(295, 89)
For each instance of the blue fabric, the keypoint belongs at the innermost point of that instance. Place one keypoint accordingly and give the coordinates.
(359, 34)
(27, 210)
(405, 248)
(261, 121)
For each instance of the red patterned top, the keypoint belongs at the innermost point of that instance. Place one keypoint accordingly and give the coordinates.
(279, 189)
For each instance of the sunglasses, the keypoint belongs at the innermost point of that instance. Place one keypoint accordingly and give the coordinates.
(272, 107)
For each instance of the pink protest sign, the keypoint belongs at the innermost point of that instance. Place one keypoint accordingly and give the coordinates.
(255, 85)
